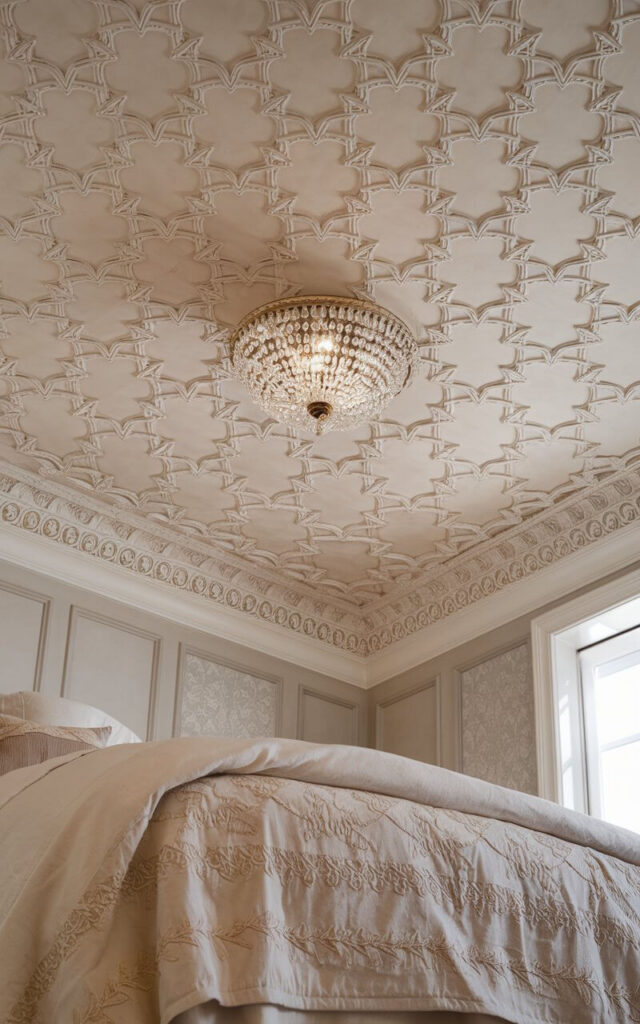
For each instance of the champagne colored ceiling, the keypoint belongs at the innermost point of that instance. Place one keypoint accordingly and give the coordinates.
(168, 166)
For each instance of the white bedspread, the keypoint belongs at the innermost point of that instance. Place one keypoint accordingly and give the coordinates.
(139, 881)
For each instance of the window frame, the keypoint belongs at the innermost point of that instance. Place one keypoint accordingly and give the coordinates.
(556, 636)
(622, 646)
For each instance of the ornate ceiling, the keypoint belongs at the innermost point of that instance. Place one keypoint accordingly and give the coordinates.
(471, 164)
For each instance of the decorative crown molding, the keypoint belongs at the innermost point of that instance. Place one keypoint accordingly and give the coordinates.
(98, 531)
(514, 555)
(112, 535)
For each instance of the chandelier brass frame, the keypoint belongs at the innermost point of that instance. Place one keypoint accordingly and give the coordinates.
(323, 362)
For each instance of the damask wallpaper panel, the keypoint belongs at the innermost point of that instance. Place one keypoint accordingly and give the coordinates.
(497, 720)
(218, 700)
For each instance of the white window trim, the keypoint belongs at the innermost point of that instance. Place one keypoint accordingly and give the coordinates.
(548, 649)
(628, 645)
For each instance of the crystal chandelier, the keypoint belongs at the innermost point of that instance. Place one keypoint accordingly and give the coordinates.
(321, 362)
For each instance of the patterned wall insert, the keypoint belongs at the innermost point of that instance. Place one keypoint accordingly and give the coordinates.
(498, 727)
(217, 700)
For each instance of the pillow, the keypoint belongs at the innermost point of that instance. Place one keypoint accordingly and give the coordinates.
(40, 707)
(24, 743)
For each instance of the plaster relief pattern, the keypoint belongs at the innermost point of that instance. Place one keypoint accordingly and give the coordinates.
(89, 526)
(498, 726)
(170, 166)
(217, 700)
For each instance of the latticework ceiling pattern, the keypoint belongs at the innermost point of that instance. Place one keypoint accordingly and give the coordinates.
(168, 166)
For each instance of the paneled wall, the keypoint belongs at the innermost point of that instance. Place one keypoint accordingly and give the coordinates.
(407, 723)
(159, 678)
(497, 723)
(24, 616)
(481, 717)
(111, 662)
(219, 698)
(323, 718)
(470, 709)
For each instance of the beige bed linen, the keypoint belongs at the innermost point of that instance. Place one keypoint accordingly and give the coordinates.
(133, 887)
(216, 1014)
(25, 743)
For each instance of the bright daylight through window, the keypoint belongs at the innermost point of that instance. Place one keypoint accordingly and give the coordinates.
(610, 683)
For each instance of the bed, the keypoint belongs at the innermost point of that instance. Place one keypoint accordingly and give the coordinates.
(206, 881)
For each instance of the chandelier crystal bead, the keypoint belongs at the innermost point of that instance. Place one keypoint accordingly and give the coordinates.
(322, 362)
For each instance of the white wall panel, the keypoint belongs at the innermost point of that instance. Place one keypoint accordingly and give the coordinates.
(219, 699)
(113, 666)
(408, 724)
(323, 718)
(23, 626)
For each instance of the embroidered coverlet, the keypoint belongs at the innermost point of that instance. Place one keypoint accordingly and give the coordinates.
(139, 881)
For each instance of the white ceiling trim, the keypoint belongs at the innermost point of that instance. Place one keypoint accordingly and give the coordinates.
(582, 540)
(608, 555)
(33, 551)
(522, 552)
(114, 536)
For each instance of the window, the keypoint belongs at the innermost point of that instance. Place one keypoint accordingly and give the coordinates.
(586, 655)
(610, 693)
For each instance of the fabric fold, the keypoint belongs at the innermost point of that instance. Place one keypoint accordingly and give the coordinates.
(278, 863)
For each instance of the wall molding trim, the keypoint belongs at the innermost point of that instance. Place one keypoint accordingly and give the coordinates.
(45, 602)
(85, 541)
(329, 698)
(212, 658)
(195, 611)
(466, 666)
(116, 537)
(199, 652)
(76, 613)
(431, 684)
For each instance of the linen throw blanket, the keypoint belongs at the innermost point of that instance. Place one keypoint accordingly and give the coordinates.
(141, 880)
